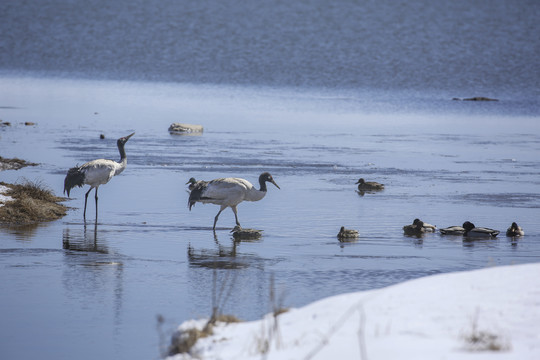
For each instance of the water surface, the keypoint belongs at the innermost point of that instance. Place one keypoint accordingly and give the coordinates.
(318, 93)
(95, 289)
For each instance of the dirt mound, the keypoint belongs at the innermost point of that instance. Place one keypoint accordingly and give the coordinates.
(31, 202)
(13, 164)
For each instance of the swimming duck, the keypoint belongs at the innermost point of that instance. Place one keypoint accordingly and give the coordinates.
(452, 230)
(473, 231)
(240, 233)
(347, 233)
(428, 227)
(369, 185)
(416, 228)
(425, 226)
(515, 230)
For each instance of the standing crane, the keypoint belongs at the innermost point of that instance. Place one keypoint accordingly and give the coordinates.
(96, 173)
(229, 192)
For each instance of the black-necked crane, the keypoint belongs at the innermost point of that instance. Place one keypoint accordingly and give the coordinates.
(229, 192)
(96, 172)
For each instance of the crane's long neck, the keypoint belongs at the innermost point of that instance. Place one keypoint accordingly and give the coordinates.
(255, 195)
(122, 152)
(123, 159)
(262, 183)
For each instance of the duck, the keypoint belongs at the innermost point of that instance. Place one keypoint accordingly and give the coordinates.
(416, 228)
(472, 231)
(428, 227)
(347, 233)
(193, 183)
(240, 233)
(452, 230)
(417, 222)
(514, 230)
(369, 185)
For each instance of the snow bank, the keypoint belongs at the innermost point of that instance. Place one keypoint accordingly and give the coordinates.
(436, 317)
(4, 198)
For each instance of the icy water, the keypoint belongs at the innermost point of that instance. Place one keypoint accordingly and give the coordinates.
(317, 93)
(94, 290)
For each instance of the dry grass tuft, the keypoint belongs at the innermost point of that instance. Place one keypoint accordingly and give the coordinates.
(33, 202)
(183, 341)
(485, 341)
(227, 319)
(479, 340)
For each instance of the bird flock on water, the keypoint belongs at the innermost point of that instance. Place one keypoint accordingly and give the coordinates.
(230, 192)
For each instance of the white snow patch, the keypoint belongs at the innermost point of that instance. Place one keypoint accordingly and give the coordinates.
(426, 318)
(4, 198)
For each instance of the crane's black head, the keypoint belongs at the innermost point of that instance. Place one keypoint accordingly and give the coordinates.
(360, 181)
(123, 140)
(120, 143)
(264, 177)
(191, 181)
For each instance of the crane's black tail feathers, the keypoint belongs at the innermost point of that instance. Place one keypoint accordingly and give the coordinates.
(196, 193)
(74, 177)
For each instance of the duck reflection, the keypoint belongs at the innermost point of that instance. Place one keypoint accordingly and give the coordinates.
(222, 256)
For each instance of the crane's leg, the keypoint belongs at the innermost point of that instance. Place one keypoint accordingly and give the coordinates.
(96, 202)
(85, 201)
(235, 215)
(223, 207)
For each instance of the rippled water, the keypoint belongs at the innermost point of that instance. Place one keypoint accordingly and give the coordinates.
(95, 290)
(480, 49)
(318, 93)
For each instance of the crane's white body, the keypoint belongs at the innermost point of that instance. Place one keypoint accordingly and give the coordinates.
(101, 171)
(229, 192)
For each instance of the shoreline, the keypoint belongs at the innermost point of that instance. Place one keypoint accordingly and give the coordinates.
(460, 315)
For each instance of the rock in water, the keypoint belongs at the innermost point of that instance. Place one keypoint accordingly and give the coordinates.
(177, 128)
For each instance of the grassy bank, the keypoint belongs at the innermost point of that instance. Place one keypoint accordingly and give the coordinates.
(30, 202)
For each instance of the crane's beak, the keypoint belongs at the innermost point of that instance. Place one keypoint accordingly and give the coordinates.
(358, 182)
(130, 135)
(273, 182)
